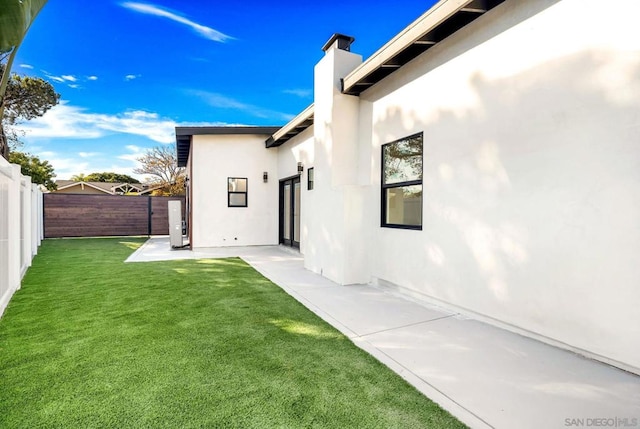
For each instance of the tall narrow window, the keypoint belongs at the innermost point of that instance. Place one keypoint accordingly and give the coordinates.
(237, 192)
(402, 183)
(310, 179)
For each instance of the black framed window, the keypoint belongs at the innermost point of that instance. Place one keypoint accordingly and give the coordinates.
(237, 192)
(310, 179)
(402, 183)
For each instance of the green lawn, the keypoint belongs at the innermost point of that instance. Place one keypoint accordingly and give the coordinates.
(92, 342)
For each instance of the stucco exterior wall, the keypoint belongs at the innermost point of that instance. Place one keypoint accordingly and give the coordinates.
(531, 173)
(531, 182)
(336, 248)
(215, 158)
(299, 149)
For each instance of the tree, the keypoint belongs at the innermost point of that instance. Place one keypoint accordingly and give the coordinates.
(107, 177)
(41, 172)
(16, 17)
(25, 98)
(162, 165)
(81, 177)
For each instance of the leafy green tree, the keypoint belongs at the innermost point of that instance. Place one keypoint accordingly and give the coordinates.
(81, 177)
(16, 17)
(109, 177)
(25, 98)
(161, 164)
(41, 172)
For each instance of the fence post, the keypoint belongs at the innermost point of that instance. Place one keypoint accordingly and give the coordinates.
(149, 213)
(20, 219)
(40, 216)
(13, 217)
(25, 224)
(34, 219)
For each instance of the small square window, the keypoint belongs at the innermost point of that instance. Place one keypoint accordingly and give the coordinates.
(310, 179)
(237, 192)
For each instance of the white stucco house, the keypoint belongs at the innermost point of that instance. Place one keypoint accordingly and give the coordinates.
(486, 159)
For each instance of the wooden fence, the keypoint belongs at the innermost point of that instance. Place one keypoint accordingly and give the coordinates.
(78, 215)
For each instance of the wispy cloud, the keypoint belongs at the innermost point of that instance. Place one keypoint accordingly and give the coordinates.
(92, 78)
(66, 121)
(202, 30)
(67, 165)
(224, 102)
(60, 79)
(26, 66)
(65, 78)
(135, 152)
(302, 93)
(88, 154)
(131, 77)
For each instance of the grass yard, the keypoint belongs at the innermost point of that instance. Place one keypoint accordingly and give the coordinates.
(92, 342)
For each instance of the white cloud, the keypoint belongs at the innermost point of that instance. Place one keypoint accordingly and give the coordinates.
(224, 102)
(131, 76)
(302, 93)
(135, 152)
(204, 31)
(66, 121)
(88, 154)
(74, 86)
(68, 165)
(92, 78)
(60, 79)
(26, 66)
(55, 78)
(64, 167)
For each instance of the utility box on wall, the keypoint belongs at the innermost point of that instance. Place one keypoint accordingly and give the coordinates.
(175, 224)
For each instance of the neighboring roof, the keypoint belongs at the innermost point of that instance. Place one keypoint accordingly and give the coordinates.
(153, 188)
(184, 135)
(443, 19)
(100, 186)
(106, 187)
(297, 125)
(127, 187)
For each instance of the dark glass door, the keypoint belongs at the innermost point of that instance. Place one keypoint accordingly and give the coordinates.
(290, 212)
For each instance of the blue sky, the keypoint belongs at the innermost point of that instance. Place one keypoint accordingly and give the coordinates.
(129, 71)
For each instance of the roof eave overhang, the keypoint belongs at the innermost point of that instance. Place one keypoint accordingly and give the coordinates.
(443, 19)
(297, 125)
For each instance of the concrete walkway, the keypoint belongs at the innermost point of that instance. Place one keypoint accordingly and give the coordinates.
(485, 376)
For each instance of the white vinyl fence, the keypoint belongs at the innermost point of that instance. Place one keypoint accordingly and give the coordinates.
(21, 228)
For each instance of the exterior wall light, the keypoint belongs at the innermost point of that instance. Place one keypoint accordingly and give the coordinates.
(300, 168)
(265, 177)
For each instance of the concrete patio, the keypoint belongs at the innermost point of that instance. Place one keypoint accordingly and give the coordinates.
(485, 376)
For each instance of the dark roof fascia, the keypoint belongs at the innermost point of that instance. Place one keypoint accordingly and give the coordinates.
(438, 23)
(184, 136)
(201, 131)
(297, 125)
